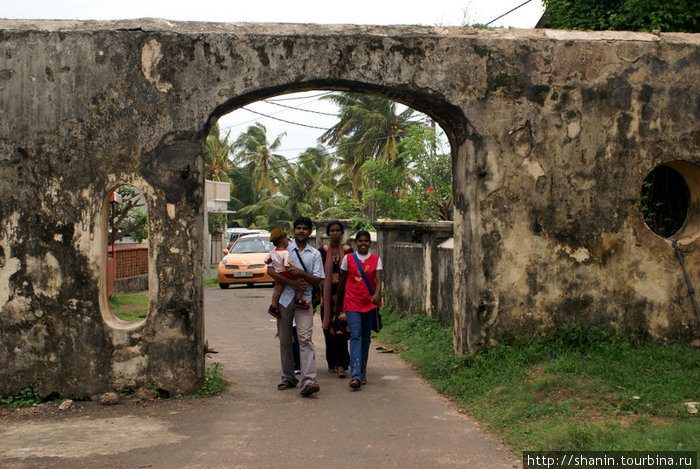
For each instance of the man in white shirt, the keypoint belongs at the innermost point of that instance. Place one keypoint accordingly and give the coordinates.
(309, 270)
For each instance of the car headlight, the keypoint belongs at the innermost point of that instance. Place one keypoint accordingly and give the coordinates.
(224, 260)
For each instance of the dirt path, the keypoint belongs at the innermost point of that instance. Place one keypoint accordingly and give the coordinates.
(397, 420)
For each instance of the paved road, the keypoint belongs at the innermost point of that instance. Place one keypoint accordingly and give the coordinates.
(396, 421)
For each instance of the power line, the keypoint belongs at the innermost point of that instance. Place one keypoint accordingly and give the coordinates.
(300, 97)
(315, 98)
(300, 109)
(301, 157)
(285, 121)
(341, 144)
(508, 12)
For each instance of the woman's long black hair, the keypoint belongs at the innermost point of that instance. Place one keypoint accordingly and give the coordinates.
(335, 222)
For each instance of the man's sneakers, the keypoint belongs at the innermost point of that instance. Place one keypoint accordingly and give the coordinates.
(301, 303)
(309, 389)
(274, 312)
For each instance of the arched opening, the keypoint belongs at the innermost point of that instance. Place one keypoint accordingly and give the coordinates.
(670, 198)
(410, 152)
(273, 181)
(126, 250)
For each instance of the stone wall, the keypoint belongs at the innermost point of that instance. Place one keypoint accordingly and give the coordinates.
(418, 266)
(131, 284)
(552, 133)
(404, 282)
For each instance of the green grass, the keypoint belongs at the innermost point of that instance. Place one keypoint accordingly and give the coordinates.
(131, 306)
(577, 388)
(211, 282)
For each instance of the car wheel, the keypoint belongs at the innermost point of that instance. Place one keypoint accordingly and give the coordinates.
(224, 286)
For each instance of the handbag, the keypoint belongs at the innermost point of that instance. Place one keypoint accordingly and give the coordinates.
(376, 315)
(315, 291)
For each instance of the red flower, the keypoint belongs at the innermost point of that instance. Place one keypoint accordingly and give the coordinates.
(538, 394)
(430, 189)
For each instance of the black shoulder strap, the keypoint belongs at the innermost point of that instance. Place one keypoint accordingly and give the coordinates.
(302, 262)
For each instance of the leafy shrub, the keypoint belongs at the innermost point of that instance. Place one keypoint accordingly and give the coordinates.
(214, 381)
(26, 397)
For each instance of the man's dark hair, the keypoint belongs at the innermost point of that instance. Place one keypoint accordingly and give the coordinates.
(304, 221)
(362, 233)
(333, 223)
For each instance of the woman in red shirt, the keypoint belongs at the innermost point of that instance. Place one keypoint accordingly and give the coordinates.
(358, 302)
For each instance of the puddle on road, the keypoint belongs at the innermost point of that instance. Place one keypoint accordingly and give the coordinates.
(81, 437)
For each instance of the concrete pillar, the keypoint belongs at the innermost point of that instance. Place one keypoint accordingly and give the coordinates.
(433, 233)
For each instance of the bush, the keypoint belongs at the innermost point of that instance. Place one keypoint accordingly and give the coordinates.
(26, 397)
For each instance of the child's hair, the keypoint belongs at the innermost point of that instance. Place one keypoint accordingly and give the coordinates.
(277, 235)
(333, 223)
(361, 233)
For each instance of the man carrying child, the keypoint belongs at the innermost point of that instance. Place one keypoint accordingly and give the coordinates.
(309, 270)
(279, 259)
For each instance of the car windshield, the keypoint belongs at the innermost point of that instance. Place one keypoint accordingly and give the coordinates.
(248, 245)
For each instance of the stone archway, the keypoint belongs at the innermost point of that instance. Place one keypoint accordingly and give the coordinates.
(551, 134)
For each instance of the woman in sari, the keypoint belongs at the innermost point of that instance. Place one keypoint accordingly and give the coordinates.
(334, 322)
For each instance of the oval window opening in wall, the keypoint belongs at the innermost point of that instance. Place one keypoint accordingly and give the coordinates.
(669, 200)
(127, 254)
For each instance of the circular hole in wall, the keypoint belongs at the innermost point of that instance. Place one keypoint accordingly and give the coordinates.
(670, 198)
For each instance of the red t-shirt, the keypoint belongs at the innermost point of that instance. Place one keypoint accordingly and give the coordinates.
(357, 297)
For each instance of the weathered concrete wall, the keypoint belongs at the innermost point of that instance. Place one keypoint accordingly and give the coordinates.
(548, 228)
(552, 134)
(129, 284)
(403, 277)
(418, 273)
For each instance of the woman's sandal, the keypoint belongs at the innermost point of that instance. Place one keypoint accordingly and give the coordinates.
(341, 373)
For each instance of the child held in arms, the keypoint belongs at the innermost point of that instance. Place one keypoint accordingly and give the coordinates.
(279, 259)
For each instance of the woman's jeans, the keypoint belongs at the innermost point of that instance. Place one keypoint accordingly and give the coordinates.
(360, 330)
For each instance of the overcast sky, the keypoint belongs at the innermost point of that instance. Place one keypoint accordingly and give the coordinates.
(381, 12)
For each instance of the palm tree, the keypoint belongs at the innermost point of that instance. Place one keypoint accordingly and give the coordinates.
(216, 151)
(267, 212)
(312, 181)
(253, 147)
(369, 128)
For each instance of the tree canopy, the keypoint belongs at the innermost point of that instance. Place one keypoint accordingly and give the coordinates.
(623, 15)
(380, 162)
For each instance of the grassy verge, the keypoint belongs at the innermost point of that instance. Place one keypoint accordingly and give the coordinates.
(577, 388)
(211, 282)
(131, 306)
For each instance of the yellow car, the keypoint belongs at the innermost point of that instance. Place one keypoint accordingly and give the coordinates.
(245, 261)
